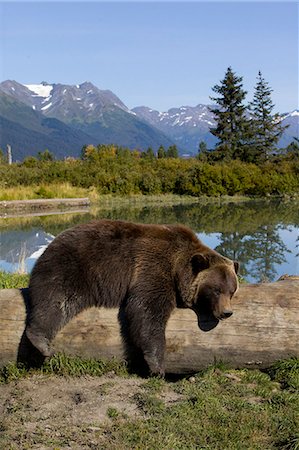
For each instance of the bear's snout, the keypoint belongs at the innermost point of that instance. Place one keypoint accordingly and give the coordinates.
(226, 314)
(222, 309)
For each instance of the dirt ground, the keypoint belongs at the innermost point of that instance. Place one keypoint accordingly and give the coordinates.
(43, 412)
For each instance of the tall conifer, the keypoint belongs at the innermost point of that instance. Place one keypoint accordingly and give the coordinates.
(265, 127)
(231, 123)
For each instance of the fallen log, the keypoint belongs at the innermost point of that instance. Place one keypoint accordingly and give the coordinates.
(263, 329)
(14, 207)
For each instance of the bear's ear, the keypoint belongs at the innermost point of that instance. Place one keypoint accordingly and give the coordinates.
(199, 262)
(236, 266)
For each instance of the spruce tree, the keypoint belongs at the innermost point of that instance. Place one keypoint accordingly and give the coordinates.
(202, 147)
(161, 152)
(148, 154)
(266, 128)
(172, 152)
(203, 152)
(231, 123)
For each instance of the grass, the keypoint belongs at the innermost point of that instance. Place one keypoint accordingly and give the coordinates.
(218, 408)
(64, 365)
(287, 373)
(13, 280)
(54, 190)
(236, 409)
(66, 190)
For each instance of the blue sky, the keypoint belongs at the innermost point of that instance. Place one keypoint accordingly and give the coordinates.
(158, 54)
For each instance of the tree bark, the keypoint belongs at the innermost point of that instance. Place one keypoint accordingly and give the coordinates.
(263, 329)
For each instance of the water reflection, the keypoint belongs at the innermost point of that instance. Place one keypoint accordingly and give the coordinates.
(262, 235)
(259, 253)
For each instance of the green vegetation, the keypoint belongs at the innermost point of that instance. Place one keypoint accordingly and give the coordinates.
(64, 365)
(265, 128)
(249, 230)
(113, 170)
(249, 138)
(230, 115)
(218, 408)
(13, 280)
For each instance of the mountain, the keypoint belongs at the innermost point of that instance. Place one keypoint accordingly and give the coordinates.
(188, 125)
(83, 102)
(97, 116)
(292, 120)
(62, 118)
(28, 131)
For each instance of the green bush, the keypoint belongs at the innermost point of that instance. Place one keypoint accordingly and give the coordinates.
(124, 173)
(13, 280)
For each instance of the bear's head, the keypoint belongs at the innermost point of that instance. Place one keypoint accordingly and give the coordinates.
(215, 283)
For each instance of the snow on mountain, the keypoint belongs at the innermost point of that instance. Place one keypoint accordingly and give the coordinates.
(292, 120)
(46, 107)
(103, 116)
(62, 111)
(186, 125)
(189, 116)
(294, 113)
(81, 102)
(40, 90)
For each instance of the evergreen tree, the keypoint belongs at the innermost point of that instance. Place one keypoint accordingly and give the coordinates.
(172, 152)
(203, 152)
(202, 148)
(45, 156)
(231, 123)
(149, 154)
(265, 127)
(161, 152)
(292, 150)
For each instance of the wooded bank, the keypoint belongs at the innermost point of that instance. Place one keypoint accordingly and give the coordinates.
(263, 329)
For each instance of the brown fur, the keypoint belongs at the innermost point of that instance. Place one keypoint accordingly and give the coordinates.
(145, 270)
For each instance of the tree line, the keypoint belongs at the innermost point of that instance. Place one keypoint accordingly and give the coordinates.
(248, 133)
(114, 170)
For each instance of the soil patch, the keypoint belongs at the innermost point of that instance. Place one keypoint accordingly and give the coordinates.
(43, 412)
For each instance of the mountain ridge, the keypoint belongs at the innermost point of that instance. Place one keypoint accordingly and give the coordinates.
(188, 125)
(29, 132)
(85, 114)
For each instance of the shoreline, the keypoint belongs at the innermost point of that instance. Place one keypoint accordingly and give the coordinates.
(36, 206)
(44, 206)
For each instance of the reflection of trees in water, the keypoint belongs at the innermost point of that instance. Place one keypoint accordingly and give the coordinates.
(249, 229)
(268, 250)
(258, 252)
(208, 217)
(234, 246)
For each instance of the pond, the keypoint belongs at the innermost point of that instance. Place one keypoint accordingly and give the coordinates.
(261, 234)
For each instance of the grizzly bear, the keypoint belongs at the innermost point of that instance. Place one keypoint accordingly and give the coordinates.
(145, 270)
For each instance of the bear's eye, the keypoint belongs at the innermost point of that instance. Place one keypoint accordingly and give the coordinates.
(216, 291)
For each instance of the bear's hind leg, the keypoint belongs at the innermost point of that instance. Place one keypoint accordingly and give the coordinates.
(133, 354)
